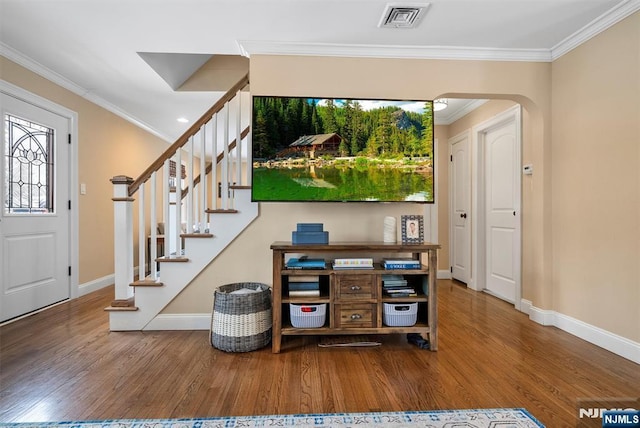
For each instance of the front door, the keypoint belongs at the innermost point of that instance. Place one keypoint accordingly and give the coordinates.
(502, 203)
(34, 215)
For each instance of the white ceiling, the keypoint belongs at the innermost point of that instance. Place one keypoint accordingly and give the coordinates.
(91, 46)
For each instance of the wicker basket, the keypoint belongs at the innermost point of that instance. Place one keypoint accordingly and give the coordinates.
(241, 322)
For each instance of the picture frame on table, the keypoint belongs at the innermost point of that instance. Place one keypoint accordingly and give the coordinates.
(412, 229)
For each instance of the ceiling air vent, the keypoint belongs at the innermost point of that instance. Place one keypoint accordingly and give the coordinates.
(398, 15)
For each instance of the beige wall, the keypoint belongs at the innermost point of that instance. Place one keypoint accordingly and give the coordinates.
(107, 146)
(596, 181)
(594, 175)
(528, 83)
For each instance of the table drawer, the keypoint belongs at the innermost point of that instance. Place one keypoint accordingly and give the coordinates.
(356, 287)
(356, 315)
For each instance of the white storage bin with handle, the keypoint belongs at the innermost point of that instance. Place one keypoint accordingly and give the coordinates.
(400, 314)
(307, 316)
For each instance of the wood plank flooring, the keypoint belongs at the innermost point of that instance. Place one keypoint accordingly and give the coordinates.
(65, 364)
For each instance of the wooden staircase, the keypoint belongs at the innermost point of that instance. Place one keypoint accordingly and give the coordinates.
(202, 213)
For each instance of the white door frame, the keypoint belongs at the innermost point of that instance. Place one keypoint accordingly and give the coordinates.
(478, 223)
(453, 140)
(38, 101)
(430, 211)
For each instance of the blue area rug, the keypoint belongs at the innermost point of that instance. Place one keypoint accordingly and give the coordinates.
(479, 418)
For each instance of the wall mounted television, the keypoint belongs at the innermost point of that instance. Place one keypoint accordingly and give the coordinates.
(342, 150)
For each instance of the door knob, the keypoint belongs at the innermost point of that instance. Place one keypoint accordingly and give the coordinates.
(463, 215)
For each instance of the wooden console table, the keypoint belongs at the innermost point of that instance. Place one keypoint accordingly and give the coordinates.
(354, 297)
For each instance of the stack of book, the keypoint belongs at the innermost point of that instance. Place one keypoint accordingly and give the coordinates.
(396, 286)
(304, 286)
(353, 263)
(305, 263)
(401, 264)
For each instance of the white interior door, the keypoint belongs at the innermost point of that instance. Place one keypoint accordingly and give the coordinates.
(460, 221)
(34, 216)
(502, 211)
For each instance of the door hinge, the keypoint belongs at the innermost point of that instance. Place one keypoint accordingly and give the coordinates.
(451, 269)
(451, 158)
(69, 203)
(69, 270)
(69, 138)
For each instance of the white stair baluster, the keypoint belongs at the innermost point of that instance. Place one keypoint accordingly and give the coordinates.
(177, 226)
(153, 219)
(142, 235)
(239, 141)
(202, 215)
(166, 205)
(224, 176)
(189, 213)
(214, 163)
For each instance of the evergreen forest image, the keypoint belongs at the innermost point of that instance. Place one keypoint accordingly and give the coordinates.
(313, 149)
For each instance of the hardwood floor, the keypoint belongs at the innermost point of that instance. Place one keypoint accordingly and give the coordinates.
(64, 364)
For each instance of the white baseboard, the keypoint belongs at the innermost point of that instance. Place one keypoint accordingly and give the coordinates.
(542, 316)
(99, 283)
(180, 322)
(96, 284)
(444, 274)
(611, 342)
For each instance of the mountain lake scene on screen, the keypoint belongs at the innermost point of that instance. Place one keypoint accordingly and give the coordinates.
(314, 149)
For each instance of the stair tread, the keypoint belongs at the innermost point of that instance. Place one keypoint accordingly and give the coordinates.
(121, 308)
(123, 302)
(172, 259)
(196, 235)
(221, 211)
(122, 305)
(147, 282)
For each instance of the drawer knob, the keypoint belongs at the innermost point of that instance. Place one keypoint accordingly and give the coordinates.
(355, 287)
(356, 316)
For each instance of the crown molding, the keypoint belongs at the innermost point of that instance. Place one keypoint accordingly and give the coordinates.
(34, 66)
(447, 119)
(595, 27)
(257, 47)
(598, 25)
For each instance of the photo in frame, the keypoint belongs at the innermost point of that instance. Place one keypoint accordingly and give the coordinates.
(412, 229)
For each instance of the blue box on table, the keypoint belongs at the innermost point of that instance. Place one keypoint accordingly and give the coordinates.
(309, 233)
(310, 227)
(309, 238)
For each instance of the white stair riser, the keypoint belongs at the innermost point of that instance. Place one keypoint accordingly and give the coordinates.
(177, 276)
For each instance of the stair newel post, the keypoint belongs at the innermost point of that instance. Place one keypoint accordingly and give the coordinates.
(202, 194)
(224, 174)
(123, 236)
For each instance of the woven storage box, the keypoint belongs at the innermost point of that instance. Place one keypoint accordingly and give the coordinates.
(241, 322)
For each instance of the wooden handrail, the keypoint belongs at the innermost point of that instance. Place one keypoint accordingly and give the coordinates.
(232, 145)
(182, 140)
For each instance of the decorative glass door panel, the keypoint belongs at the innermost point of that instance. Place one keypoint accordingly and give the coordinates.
(29, 166)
